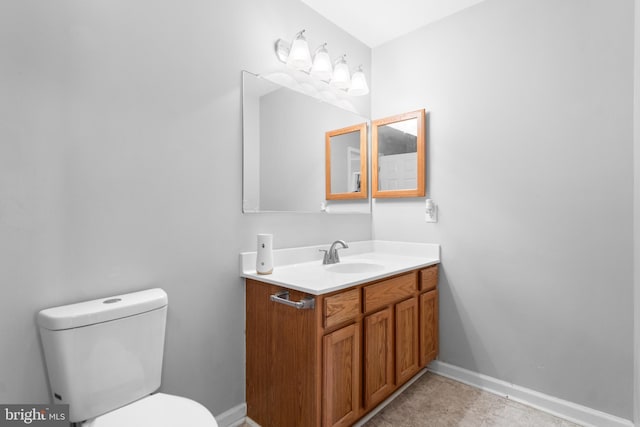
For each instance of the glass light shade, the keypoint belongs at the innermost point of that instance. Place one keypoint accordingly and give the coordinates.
(299, 56)
(341, 78)
(321, 67)
(358, 83)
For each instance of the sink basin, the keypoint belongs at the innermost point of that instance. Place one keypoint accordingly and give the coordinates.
(355, 267)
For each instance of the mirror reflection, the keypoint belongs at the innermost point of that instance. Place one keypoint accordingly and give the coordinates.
(346, 163)
(284, 147)
(398, 155)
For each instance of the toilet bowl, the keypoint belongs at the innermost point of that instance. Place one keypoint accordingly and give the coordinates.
(158, 410)
(104, 359)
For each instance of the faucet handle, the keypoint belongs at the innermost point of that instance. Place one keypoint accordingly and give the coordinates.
(336, 257)
(325, 259)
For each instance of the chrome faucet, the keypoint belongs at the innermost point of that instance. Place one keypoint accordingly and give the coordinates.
(331, 256)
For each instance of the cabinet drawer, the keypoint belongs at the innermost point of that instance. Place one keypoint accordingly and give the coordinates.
(429, 278)
(341, 307)
(389, 291)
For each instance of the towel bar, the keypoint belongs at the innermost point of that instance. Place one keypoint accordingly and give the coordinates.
(282, 297)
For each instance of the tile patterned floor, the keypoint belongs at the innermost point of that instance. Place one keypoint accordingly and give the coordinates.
(435, 401)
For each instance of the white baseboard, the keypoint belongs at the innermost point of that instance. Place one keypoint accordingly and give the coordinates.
(251, 422)
(570, 411)
(233, 417)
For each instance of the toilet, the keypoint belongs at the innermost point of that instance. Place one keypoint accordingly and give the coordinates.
(104, 359)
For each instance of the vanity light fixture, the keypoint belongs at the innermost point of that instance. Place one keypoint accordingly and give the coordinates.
(297, 56)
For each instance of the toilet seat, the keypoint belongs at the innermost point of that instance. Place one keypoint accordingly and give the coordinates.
(156, 410)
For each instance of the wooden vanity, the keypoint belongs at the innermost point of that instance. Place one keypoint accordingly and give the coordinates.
(332, 364)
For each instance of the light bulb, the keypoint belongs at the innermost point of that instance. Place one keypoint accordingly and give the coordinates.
(358, 83)
(299, 56)
(341, 78)
(321, 67)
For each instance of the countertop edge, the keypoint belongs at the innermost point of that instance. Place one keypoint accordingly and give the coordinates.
(348, 284)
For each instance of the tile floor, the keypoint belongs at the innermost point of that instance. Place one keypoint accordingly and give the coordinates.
(436, 401)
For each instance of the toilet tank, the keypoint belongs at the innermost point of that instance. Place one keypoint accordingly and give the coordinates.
(105, 353)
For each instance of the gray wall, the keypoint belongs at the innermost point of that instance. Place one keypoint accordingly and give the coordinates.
(530, 159)
(636, 208)
(120, 168)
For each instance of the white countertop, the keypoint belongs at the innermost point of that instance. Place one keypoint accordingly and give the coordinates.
(301, 268)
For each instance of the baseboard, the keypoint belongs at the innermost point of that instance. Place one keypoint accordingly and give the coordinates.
(233, 417)
(570, 411)
(251, 423)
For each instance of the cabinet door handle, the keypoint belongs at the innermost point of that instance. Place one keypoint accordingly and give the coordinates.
(282, 297)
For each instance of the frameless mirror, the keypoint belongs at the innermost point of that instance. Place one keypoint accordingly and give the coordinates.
(346, 163)
(398, 153)
(284, 146)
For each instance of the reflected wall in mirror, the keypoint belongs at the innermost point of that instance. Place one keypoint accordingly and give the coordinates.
(284, 147)
(398, 155)
(346, 163)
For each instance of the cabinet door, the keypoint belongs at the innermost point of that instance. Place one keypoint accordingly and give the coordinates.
(407, 356)
(341, 370)
(378, 357)
(428, 327)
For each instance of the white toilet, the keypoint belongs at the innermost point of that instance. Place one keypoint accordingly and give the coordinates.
(104, 359)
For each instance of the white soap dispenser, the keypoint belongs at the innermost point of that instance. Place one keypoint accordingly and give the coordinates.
(264, 258)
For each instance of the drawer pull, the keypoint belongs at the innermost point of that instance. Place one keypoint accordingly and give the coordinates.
(282, 297)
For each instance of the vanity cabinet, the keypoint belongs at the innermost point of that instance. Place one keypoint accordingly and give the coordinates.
(330, 365)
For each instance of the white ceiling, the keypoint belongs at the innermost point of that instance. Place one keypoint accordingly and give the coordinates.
(374, 22)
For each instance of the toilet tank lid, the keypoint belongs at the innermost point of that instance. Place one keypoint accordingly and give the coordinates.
(102, 309)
